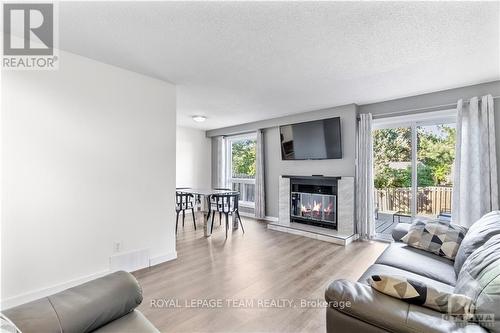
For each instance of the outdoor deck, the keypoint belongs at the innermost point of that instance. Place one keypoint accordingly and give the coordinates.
(384, 225)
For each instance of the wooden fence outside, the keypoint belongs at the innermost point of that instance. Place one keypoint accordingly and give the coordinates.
(431, 200)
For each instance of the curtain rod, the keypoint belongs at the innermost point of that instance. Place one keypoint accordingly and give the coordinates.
(418, 110)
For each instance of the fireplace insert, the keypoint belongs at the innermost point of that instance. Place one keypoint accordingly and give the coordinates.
(314, 201)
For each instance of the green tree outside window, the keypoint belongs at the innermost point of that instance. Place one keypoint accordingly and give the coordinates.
(243, 158)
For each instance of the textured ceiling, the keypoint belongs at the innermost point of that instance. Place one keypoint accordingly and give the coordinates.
(237, 62)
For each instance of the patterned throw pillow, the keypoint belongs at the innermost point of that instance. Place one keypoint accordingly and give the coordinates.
(437, 237)
(418, 293)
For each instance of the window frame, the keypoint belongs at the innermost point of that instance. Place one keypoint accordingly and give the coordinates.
(413, 122)
(229, 167)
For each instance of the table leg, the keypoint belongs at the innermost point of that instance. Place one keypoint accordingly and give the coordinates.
(206, 216)
(234, 219)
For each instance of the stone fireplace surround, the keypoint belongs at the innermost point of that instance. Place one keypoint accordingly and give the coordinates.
(345, 213)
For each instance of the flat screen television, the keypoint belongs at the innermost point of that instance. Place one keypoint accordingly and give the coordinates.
(312, 140)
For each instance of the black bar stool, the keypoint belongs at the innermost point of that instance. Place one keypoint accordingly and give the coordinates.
(226, 204)
(213, 204)
(183, 202)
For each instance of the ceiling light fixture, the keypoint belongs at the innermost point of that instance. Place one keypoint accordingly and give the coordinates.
(199, 119)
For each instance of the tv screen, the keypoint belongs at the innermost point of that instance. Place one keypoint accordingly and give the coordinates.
(312, 140)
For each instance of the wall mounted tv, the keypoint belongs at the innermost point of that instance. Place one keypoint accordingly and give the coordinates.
(312, 140)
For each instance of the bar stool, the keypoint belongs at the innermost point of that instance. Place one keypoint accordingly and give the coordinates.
(213, 204)
(226, 204)
(183, 202)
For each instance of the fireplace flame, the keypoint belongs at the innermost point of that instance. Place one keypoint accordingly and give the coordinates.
(303, 208)
(316, 206)
(329, 208)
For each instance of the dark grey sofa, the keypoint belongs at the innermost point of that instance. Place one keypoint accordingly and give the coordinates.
(372, 311)
(103, 305)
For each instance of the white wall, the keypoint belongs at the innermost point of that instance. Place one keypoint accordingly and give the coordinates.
(194, 159)
(87, 160)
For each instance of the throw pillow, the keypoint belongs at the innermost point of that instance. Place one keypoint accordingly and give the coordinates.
(418, 293)
(437, 237)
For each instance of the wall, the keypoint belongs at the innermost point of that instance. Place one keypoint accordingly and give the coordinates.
(274, 166)
(87, 160)
(194, 157)
(435, 101)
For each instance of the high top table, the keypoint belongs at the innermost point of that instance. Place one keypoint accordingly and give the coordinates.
(206, 206)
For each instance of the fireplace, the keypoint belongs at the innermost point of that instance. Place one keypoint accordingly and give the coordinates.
(313, 200)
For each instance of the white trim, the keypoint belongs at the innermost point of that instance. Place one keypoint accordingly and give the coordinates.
(271, 219)
(162, 258)
(44, 292)
(244, 180)
(236, 137)
(413, 121)
(414, 170)
(426, 118)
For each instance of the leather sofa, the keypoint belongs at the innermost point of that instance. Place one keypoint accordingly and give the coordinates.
(372, 311)
(104, 305)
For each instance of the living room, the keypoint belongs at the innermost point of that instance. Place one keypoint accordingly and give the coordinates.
(250, 167)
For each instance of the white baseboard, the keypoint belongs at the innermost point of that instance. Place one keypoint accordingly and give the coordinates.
(44, 292)
(162, 258)
(129, 261)
(271, 219)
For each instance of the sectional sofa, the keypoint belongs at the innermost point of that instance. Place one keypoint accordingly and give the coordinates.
(104, 305)
(475, 272)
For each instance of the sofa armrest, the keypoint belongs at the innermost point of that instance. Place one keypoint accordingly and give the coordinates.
(386, 312)
(83, 308)
(400, 230)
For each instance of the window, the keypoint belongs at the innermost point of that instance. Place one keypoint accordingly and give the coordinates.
(241, 167)
(413, 167)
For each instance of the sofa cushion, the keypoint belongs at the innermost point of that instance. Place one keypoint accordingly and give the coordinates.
(476, 236)
(91, 305)
(419, 262)
(35, 316)
(438, 237)
(400, 230)
(378, 269)
(419, 293)
(83, 308)
(479, 279)
(134, 322)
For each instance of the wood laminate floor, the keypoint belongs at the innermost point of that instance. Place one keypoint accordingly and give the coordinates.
(256, 282)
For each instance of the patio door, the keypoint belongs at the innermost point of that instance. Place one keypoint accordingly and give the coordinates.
(393, 171)
(413, 168)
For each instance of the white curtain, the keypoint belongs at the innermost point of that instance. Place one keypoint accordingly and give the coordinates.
(364, 183)
(221, 163)
(475, 186)
(260, 198)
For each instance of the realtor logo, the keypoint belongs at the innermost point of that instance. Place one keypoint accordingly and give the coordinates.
(29, 36)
